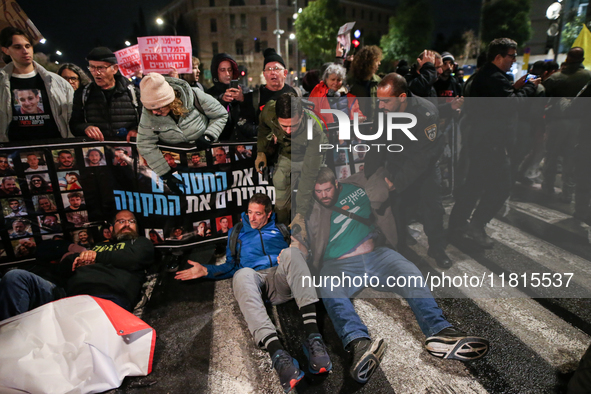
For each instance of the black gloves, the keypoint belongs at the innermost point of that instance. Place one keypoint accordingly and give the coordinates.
(173, 183)
(204, 142)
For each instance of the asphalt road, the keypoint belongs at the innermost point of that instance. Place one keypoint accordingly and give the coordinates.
(537, 334)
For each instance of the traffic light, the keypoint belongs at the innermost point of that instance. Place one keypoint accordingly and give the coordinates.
(357, 35)
(243, 71)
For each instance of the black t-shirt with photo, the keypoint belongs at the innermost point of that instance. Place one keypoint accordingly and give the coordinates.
(32, 118)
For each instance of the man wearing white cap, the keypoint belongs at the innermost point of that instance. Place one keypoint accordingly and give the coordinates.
(175, 113)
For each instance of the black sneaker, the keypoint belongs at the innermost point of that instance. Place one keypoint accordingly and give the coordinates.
(440, 257)
(315, 351)
(288, 369)
(367, 355)
(479, 235)
(454, 344)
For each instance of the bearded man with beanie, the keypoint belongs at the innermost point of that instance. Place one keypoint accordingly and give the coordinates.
(109, 106)
(275, 72)
(236, 100)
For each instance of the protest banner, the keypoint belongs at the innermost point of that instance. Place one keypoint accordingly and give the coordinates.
(129, 61)
(73, 189)
(161, 53)
(11, 14)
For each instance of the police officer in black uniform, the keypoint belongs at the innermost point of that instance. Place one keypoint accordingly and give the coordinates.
(491, 127)
(413, 173)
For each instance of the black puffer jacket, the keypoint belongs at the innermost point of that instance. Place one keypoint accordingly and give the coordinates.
(109, 116)
(241, 115)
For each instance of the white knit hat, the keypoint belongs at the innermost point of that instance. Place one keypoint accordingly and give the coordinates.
(155, 92)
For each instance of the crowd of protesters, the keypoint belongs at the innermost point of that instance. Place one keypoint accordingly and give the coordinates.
(511, 139)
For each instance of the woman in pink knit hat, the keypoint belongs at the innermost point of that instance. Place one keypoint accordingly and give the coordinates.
(175, 113)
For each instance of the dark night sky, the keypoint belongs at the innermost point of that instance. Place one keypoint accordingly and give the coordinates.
(75, 27)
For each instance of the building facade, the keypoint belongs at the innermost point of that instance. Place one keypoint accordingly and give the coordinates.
(245, 28)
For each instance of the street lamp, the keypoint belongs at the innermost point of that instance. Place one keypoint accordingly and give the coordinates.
(59, 53)
(42, 41)
(161, 22)
(127, 43)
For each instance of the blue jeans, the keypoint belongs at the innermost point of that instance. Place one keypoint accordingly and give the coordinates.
(381, 262)
(21, 291)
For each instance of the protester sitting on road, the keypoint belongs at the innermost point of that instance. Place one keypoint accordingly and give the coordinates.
(113, 271)
(343, 241)
(175, 113)
(259, 258)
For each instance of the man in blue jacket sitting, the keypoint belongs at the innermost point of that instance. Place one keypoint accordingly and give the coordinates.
(264, 265)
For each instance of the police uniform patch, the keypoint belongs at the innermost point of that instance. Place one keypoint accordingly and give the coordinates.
(431, 132)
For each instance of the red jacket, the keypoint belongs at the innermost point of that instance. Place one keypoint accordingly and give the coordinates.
(318, 97)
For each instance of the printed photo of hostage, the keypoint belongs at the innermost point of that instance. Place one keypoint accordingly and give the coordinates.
(94, 157)
(220, 155)
(78, 219)
(343, 172)
(2, 250)
(173, 159)
(14, 207)
(74, 201)
(156, 235)
(52, 237)
(69, 180)
(202, 229)
(33, 161)
(197, 159)
(49, 223)
(20, 228)
(223, 225)
(24, 248)
(243, 152)
(122, 156)
(44, 204)
(39, 183)
(83, 238)
(106, 232)
(9, 186)
(28, 101)
(177, 234)
(359, 167)
(6, 167)
(64, 159)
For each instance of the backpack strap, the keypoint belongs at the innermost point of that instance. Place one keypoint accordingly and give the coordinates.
(85, 94)
(233, 241)
(133, 95)
(353, 216)
(197, 104)
(285, 232)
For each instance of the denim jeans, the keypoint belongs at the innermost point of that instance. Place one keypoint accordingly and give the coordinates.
(381, 262)
(21, 291)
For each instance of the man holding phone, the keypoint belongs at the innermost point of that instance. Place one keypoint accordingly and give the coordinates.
(235, 98)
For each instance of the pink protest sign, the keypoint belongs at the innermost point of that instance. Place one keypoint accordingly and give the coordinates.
(161, 53)
(129, 61)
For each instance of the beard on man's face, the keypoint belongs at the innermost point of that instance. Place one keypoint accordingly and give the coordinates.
(125, 234)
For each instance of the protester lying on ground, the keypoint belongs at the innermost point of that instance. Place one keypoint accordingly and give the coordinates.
(114, 271)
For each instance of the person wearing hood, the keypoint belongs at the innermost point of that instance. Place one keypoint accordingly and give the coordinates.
(236, 100)
(175, 113)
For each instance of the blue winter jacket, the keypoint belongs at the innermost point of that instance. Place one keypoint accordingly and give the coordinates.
(258, 249)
